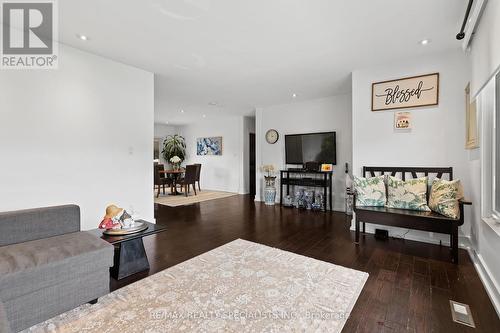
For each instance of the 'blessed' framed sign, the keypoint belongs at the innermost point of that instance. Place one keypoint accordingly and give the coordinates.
(408, 92)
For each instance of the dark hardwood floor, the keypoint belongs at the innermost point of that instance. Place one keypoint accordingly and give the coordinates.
(410, 283)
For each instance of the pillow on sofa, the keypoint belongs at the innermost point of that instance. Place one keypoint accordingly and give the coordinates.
(444, 197)
(409, 194)
(370, 192)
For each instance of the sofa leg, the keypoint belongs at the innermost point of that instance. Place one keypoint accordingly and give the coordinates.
(94, 301)
(357, 231)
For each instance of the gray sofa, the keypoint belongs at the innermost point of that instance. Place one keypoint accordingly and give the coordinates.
(48, 266)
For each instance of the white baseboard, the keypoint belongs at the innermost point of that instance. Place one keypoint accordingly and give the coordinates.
(491, 286)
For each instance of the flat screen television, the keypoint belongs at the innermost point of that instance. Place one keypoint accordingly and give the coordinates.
(312, 147)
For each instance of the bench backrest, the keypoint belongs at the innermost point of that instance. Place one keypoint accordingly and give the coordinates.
(411, 172)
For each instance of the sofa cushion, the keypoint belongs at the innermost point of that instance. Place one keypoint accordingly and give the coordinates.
(30, 266)
(37, 223)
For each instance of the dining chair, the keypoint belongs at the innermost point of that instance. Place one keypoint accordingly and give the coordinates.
(198, 172)
(189, 179)
(159, 178)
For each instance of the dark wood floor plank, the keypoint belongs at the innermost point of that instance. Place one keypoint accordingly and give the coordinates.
(421, 266)
(439, 278)
(409, 285)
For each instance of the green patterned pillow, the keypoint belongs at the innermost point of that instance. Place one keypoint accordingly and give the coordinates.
(370, 192)
(444, 197)
(410, 194)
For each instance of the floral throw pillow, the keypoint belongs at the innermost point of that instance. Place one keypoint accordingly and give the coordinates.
(409, 194)
(370, 192)
(444, 197)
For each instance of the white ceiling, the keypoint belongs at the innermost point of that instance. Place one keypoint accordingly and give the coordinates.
(248, 53)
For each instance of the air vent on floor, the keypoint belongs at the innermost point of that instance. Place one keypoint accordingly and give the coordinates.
(461, 314)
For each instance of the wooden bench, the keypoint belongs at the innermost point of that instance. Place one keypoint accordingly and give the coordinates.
(409, 219)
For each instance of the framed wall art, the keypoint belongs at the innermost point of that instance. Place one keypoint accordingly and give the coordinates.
(471, 129)
(209, 146)
(402, 120)
(408, 92)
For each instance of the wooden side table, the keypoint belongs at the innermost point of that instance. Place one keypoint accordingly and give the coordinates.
(130, 256)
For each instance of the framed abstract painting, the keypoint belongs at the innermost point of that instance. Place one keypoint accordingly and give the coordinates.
(209, 146)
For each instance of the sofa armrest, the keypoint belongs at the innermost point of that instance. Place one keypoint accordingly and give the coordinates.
(4, 322)
(31, 224)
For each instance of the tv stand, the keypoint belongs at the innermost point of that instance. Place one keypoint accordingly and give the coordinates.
(325, 182)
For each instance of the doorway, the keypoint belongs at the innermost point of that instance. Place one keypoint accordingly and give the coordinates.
(251, 166)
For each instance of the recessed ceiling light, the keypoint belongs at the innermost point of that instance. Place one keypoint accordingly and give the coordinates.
(204, 116)
(425, 41)
(182, 111)
(294, 95)
(82, 37)
(166, 123)
(213, 103)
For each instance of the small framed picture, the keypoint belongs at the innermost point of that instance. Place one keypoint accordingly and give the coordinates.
(326, 167)
(402, 120)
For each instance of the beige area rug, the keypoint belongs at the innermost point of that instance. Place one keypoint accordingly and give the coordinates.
(182, 200)
(239, 287)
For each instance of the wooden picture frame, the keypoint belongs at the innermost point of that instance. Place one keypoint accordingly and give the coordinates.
(471, 128)
(407, 92)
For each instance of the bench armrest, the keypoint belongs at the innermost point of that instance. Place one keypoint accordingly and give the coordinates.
(464, 202)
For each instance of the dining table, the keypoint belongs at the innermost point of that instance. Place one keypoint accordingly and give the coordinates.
(175, 177)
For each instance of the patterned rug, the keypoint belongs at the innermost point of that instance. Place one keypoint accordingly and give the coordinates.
(182, 200)
(239, 287)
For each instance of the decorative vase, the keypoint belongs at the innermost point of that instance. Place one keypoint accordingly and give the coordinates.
(288, 201)
(176, 166)
(270, 191)
(309, 199)
(299, 198)
(319, 201)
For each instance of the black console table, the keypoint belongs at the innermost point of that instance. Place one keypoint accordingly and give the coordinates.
(325, 182)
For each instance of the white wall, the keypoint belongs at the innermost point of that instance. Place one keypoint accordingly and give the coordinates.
(485, 59)
(80, 134)
(485, 47)
(222, 173)
(161, 131)
(318, 115)
(438, 135)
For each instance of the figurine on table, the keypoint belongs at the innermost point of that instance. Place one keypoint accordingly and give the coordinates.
(116, 218)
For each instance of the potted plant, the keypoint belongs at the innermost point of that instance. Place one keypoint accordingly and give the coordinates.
(269, 190)
(174, 146)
